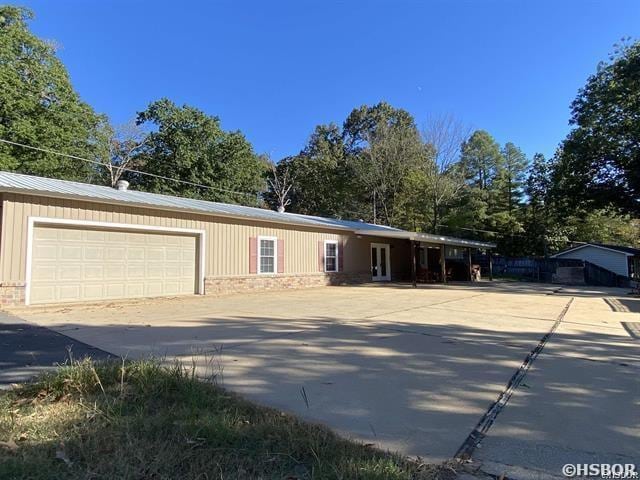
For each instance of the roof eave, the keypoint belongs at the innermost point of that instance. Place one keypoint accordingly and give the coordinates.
(573, 249)
(427, 237)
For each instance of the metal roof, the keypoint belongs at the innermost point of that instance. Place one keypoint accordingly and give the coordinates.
(429, 238)
(29, 184)
(628, 251)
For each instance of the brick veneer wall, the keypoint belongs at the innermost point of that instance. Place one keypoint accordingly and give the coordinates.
(12, 293)
(223, 285)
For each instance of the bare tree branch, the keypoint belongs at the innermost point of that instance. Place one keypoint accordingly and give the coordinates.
(281, 181)
(124, 143)
(443, 136)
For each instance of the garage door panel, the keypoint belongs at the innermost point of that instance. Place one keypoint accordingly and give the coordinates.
(71, 235)
(135, 289)
(189, 271)
(71, 272)
(93, 292)
(177, 241)
(156, 240)
(135, 253)
(153, 289)
(173, 287)
(113, 236)
(45, 234)
(115, 290)
(48, 291)
(155, 270)
(114, 272)
(93, 252)
(116, 253)
(94, 236)
(45, 272)
(172, 271)
(45, 252)
(93, 272)
(173, 254)
(67, 293)
(71, 252)
(136, 271)
(155, 253)
(71, 264)
(135, 238)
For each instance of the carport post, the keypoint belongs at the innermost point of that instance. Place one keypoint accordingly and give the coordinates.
(442, 265)
(470, 264)
(490, 265)
(412, 246)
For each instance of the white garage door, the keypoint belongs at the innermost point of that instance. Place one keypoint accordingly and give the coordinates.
(72, 264)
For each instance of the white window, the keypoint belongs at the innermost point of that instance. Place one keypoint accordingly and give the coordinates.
(267, 254)
(330, 256)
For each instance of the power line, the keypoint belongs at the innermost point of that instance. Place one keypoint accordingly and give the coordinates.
(486, 231)
(124, 169)
(471, 229)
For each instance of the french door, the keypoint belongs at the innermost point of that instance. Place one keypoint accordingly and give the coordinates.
(380, 262)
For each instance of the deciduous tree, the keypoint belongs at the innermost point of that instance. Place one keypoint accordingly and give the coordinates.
(599, 162)
(187, 144)
(39, 107)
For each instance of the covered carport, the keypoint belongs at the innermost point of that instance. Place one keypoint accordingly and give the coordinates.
(438, 258)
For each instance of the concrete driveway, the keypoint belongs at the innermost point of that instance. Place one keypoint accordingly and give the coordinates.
(411, 370)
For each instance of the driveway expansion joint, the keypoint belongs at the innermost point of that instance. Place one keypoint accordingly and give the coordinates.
(476, 436)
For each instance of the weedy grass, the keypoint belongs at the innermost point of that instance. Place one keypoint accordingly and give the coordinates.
(147, 420)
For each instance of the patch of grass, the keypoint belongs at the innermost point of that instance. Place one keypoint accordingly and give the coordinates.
(144, 420)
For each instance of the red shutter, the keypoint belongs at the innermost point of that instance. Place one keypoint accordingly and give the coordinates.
(340, 256)
(253, 255)
(321, 256)
(280, 256)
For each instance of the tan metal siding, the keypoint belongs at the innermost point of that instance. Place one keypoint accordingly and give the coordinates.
(357, 256)
(227, 240)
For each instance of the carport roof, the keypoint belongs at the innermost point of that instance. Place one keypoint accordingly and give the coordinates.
(428, 238)
(32, 185)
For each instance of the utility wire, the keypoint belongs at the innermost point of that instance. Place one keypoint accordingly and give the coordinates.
(486, 231)
(96, 162)
(471, 229)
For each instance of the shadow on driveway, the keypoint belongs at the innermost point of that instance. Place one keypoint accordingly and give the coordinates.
(27, 350)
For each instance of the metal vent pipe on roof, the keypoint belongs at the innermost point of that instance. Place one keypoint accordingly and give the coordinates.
(122, 185)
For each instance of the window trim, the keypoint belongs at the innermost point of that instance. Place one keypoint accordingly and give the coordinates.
(334, 242)
(275, 255)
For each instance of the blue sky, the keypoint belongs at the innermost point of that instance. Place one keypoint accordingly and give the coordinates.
(275, 69)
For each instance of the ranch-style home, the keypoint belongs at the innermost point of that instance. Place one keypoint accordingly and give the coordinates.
(65, 242)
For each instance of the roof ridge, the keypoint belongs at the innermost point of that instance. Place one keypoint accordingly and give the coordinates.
(31, 183)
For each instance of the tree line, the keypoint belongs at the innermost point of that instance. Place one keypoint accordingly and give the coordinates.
(377, 165)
